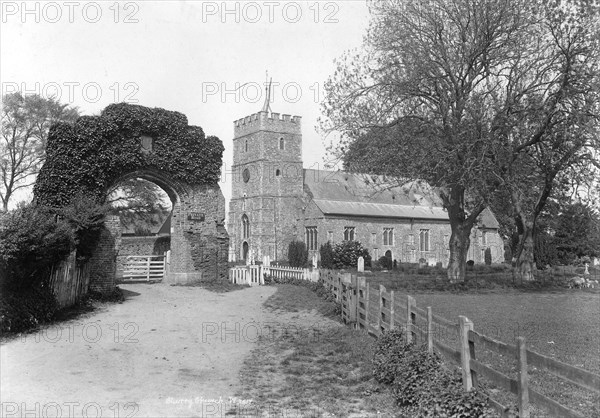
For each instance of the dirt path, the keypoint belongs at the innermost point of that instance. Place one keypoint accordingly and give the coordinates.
(166, 351)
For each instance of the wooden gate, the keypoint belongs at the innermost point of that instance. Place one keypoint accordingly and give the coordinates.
(144, 268)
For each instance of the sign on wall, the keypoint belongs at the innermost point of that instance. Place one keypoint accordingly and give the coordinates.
(196, 216)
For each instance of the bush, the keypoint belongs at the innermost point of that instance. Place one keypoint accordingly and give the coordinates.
(32, 239)
(421, 383)
(346, 253)
(385, 262)
(487, 255)
(326, 253)
(297, 254)
(24, 309)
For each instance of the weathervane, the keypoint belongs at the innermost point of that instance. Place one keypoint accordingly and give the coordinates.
(267, 105)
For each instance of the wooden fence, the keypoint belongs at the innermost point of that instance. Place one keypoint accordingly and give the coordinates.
(254, 275)
(376, 310)
(69, 281)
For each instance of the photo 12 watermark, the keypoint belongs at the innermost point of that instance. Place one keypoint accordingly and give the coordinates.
(69, 12)
(270, 11)
(91, 333)
(76, 92)
(254, 92)
(68, 409)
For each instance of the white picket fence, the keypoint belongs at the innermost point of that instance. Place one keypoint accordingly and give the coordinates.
(254, 275)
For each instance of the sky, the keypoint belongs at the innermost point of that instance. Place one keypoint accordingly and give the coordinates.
(206, 59)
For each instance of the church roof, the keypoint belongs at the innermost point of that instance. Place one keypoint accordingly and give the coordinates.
(381, 210)
(342, 193)
(367, 188)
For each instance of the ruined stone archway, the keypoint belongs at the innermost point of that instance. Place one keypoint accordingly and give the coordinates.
(128, 141)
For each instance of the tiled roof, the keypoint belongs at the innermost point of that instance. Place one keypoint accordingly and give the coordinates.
(352, 187)
(380, 210)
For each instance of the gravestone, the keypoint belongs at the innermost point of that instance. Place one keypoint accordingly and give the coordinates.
(314, 261)
(361, 264)
(586, 269)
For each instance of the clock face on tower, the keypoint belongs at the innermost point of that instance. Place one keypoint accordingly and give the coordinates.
(246, 175)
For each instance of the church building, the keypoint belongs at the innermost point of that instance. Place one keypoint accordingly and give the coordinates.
(275, 201)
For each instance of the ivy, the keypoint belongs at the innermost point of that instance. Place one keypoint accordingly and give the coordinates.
(92, 154)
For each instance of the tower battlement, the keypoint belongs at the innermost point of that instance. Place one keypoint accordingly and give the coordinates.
(266, 121)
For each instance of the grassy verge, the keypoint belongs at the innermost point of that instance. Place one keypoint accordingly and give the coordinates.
(215, 286)
(312, 372)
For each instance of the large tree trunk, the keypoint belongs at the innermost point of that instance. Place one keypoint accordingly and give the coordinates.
(461, 225)
(525, 264)
(459, 248)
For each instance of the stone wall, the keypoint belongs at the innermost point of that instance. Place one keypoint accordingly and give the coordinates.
(103, 263)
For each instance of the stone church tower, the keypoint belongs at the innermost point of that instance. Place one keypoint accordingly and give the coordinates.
(267, 184)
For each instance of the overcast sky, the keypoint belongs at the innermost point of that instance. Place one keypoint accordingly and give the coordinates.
(187, 56)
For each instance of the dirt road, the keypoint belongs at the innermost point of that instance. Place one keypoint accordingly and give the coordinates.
(165, 352)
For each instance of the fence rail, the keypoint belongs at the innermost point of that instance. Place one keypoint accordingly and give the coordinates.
(376, 310)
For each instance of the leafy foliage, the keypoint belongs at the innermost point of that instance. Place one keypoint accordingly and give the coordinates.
(326, 253)
(421, 382)
(297, 254)
(346, 254)
(25, 122)
(95, 152)
(24, 309)
(35, 237)
(385, 262)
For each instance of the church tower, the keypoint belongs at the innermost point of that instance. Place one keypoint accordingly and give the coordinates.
(267, 184)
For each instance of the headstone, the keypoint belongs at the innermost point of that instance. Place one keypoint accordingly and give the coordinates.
(314, 261)
(586, 269)
(361, 264)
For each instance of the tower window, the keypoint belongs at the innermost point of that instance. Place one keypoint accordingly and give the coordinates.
(281, 144)
(245, 227)
(246, 146)
(278, 172)
(246, 175)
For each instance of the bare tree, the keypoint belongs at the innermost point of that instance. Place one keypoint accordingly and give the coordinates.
(25, 124)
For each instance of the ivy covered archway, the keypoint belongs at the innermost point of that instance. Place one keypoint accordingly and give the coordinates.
(91, 155)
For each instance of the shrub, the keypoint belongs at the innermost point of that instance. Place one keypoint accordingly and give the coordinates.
(297, 254)
(32, 239)
(385, 262)
(326, 253)
(24, 309)
(487, 255)
(346, 253)
(420, 381)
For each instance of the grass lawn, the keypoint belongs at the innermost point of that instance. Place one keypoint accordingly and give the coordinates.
(323, 372)
(561, 324)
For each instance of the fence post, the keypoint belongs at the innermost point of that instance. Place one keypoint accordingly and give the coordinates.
(522, 379)
(380, 310)
(148, 269)
(410, 319)
(367, 303)
(429, 330)
(465, 353)
(391, 309)
(353, 299)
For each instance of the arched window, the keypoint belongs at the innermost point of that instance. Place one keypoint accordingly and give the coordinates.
(278, 172)
(281, 144)
(245, 227)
